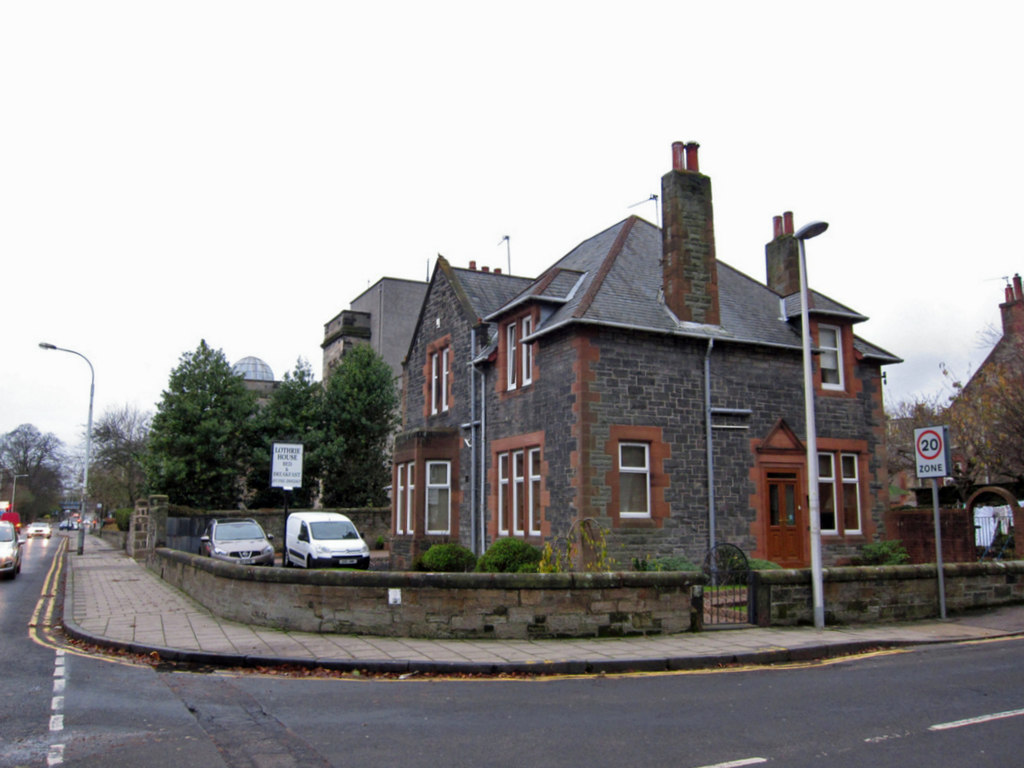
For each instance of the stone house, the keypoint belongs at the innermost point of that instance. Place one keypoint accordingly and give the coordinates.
(644, 385)
(986, 414)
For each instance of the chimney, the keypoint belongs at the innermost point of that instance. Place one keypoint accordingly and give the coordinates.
(782, 257)
(472, 265)
(1012, 310)
(689, 270)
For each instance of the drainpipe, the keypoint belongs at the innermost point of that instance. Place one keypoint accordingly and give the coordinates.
(482, 435)
(472, 438)
(710, 445)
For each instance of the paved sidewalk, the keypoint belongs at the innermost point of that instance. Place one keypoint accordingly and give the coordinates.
(113, 601)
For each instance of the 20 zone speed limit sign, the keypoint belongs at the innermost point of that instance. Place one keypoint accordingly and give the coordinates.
(931, 451)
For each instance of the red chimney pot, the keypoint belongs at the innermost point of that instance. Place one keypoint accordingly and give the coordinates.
(787, 217)
(776, 227)
(678, 159)
(472, 265)
(691, 156)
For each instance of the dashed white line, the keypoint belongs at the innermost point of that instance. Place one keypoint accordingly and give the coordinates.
(56, 755)
(56, 722)
(976, 720)
(738, 763)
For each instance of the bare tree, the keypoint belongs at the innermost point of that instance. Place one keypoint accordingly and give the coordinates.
(120, 439)
(40, 458)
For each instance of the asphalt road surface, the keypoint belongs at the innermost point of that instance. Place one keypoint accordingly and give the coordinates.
(949, 706)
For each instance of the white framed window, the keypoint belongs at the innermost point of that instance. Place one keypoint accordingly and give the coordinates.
(519, 492)
(851, 493)
(831, 356)
(827, 493)
(439, 497)
(511, 345)
(435, 382)
(534, 477)
(503, 494)
(439, 381)
(634, 480)
(527, 350)
(404, 498)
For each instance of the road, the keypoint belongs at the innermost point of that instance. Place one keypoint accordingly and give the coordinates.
(919, 707)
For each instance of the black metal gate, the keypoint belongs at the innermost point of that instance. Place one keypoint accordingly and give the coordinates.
(727, 594)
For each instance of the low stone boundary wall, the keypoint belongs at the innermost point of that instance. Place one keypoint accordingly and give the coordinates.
(885, 593)
(438, 605)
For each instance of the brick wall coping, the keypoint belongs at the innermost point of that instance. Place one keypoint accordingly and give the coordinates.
(890, 572)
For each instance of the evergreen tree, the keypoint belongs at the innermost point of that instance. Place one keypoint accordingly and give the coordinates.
(360, 410)
(292, 415)
(200, 441)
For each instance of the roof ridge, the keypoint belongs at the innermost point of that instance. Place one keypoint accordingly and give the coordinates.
(605, 268)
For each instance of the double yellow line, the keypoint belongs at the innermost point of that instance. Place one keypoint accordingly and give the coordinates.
(40, 626)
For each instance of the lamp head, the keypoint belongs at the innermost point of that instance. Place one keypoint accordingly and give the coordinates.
(813, 229)
(45, 345)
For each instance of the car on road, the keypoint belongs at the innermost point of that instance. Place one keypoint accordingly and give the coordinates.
(38, 529)
(237, 541)
(323, 539)
(10, 550)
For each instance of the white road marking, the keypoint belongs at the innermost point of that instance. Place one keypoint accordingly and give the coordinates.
(977, 720)
(55, 755)
(56, 722)
(738, 763)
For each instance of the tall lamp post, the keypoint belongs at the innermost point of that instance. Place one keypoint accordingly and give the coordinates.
(88, 438)
(813, 229)
(14, 489)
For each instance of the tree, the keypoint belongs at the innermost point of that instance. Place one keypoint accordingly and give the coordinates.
(292, 415)
(986, 418)
(200, 442)
(120, 438)
(359, 413)
(27, 451)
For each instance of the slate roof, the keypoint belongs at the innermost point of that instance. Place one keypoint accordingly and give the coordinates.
(614, 279)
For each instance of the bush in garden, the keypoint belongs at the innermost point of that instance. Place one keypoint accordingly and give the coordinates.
(510, 555)
(447, 558)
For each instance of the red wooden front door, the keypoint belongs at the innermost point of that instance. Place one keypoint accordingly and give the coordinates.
(785, 517)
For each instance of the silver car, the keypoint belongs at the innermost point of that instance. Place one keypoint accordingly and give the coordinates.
(237, 541)
(10, 550)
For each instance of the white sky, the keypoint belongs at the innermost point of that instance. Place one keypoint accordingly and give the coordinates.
(240, 171)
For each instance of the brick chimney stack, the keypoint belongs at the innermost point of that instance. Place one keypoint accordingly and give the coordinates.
(782, 257)
(1012, 310)
(689, 268)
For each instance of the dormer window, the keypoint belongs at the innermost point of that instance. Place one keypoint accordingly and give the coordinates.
(519, 369)
(830, 343)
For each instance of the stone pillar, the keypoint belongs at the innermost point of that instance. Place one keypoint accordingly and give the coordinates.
(139, 536)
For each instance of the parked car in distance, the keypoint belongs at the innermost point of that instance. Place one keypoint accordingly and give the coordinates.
(237, 541)
(13, 518)
(10, 550)
(38, 529)
(323, 539)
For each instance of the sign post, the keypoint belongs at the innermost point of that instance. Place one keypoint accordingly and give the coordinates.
(286, 471)
(931, 454)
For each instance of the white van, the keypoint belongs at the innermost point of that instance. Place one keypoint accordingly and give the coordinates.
(322, 540)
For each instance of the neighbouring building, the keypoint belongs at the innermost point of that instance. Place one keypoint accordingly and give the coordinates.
(257, 376)
(641, 384)
(987, 415)
(383, 316)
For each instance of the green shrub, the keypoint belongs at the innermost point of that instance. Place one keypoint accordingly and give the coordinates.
(883, 553)
(756, 564)
(123, 518)
(447, 558)
(510, 555)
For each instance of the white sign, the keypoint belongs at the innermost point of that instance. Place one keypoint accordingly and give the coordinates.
(286, 466)
(931, 451)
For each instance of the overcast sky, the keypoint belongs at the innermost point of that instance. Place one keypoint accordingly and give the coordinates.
(240, 171)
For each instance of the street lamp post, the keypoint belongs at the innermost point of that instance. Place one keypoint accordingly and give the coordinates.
(813, 501)
(14, 489)
(88, 438)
